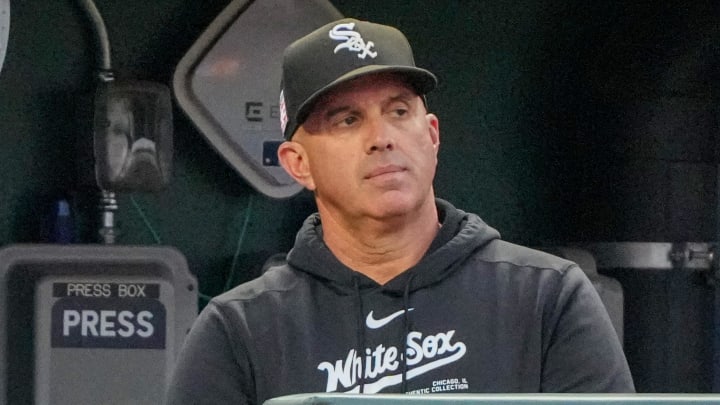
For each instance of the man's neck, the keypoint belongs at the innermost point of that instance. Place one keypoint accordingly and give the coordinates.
(382, 249)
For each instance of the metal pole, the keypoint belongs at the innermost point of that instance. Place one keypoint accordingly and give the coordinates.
(108, 206)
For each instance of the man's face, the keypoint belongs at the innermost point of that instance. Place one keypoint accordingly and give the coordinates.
(368, 149)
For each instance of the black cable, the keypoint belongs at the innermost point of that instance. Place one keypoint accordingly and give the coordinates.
(102, 38)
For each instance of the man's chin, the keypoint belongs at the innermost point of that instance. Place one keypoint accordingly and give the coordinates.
(395, 204)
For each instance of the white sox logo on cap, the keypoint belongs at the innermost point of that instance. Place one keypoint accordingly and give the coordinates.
(353, 40)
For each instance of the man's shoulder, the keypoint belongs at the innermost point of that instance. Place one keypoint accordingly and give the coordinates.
(277, 279)
(500, 251)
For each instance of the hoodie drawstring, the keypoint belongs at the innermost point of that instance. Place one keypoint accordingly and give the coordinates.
(360, 331)
(407, 327)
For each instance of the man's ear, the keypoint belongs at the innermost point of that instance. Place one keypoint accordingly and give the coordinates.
(294, 160)
(434, 130)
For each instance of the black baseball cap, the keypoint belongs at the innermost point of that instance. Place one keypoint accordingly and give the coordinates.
(336, 53)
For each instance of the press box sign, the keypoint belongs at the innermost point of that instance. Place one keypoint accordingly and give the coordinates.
(107, 315)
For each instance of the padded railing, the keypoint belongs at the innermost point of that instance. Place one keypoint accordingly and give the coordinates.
(492, 399)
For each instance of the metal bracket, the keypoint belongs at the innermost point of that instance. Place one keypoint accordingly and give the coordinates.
(681, 256)
(694, 256)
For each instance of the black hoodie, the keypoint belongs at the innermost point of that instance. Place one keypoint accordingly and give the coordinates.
(475, 315)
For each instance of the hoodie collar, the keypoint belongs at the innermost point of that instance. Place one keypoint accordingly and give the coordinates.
(460, 234)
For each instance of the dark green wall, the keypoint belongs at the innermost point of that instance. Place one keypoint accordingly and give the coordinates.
(561, 121)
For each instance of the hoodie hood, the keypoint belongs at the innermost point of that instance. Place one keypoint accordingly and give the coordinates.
(461, 233)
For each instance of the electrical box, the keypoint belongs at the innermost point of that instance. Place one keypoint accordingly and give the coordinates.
(228, 83)
(91, 324)
(133, 136)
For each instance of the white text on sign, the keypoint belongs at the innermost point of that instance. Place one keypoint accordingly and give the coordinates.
(107, 323)
(106, 290)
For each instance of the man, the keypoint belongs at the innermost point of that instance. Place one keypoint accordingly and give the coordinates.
(387, 288)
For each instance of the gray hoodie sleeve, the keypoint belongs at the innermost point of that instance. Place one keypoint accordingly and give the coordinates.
(211, 369)
(583, 353)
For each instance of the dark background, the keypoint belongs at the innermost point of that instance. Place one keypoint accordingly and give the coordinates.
(561, 122)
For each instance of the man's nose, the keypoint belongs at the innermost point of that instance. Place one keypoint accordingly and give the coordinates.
(381, 136)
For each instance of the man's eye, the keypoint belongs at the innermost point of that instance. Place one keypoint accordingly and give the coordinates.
(349, 120)
(400, 112)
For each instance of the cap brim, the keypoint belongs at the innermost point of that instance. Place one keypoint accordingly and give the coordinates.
(422, 80)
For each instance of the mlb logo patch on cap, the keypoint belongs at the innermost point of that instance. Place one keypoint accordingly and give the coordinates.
(283, 112)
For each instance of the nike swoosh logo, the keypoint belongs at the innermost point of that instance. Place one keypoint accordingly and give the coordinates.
(373, 323)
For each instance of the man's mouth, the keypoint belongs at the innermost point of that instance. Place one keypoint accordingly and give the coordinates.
(382, 170)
